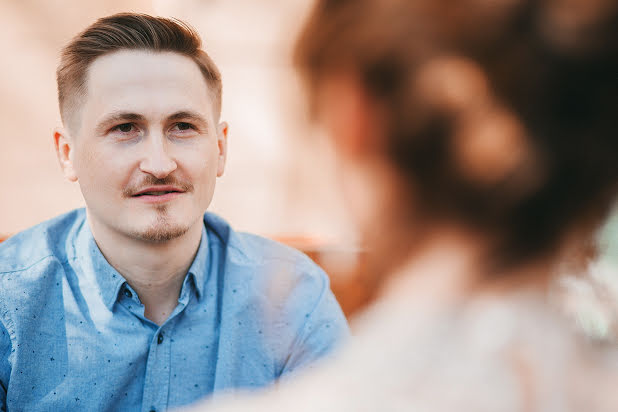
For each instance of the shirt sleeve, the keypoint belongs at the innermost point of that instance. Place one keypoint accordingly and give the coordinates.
(323, 326)
(5, 368)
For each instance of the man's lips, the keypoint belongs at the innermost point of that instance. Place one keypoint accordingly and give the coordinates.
(158, 191)
(158, 194)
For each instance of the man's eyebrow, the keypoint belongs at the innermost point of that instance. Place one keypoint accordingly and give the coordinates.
(117, 117)
(188, 115)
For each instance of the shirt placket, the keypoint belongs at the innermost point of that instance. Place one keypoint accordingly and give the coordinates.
(158, 366)
(157, 379)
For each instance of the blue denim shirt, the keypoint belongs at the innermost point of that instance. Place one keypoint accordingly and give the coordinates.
(73, 335)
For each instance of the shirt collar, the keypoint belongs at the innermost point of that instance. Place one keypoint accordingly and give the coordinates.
(97, 269)
(198, 269)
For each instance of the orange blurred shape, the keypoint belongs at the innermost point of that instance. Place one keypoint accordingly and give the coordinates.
(346, 267)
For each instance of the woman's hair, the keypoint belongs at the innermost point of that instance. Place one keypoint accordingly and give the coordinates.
(501, 115)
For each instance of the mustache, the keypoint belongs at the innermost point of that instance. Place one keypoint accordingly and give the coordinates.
(150, 181)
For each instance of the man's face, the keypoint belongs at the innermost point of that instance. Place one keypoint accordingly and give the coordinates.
(148, 148)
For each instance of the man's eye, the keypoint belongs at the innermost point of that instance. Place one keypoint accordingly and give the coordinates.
(124, 128)
(184, 126)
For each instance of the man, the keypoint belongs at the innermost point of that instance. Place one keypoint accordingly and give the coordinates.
(142, 302)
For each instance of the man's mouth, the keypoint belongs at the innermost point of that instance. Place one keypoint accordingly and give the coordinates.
(158, 193)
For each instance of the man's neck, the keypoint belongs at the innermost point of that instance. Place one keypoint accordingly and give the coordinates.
(155, 270)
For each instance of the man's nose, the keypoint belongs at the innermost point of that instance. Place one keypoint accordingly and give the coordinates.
(157, 160)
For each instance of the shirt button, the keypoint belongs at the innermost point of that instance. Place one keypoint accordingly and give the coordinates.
(128, 293)
(160, 338)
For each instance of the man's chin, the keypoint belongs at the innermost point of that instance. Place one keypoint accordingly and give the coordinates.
(161, 227)
(161, 234)
(159, 231)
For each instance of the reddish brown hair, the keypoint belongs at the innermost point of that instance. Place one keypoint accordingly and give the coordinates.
(550, 66)
(129, 31)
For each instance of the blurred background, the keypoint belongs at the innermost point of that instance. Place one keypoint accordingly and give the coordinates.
(280, 180)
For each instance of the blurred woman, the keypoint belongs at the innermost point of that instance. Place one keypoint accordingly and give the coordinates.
(477, 146)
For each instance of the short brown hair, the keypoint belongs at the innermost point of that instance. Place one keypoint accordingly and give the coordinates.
(552, 66)
(129, 31)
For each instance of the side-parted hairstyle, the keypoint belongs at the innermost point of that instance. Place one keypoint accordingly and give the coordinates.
(502, 115)
(128, 31)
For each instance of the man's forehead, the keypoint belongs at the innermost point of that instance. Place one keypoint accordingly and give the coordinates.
(127, 67)
(139, 80)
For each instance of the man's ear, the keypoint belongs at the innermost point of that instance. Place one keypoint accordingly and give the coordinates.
(64, 151)
(222, 144)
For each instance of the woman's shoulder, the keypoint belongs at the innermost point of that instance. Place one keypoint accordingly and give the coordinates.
(508, 352)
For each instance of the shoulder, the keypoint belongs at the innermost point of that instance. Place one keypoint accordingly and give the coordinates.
(37, 244)
(265, 272)
(248, 250)
(31, 267)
